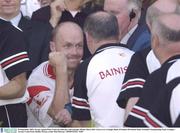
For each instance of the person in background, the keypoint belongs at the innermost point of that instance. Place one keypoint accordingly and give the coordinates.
(30, 6)
(159, 105)
(97, 79)
(51, 84)
(44, 3)
(37, 35)
(93, 6)
(14, 63)
(128, 12)
(144, 62)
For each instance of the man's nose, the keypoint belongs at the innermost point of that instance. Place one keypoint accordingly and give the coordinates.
(74, 50)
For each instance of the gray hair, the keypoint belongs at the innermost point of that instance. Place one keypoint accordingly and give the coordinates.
(102, 26)
(153, 12)
(134, 5)
(165, 31)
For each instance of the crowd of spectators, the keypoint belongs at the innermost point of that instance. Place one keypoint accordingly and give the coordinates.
(89, 63)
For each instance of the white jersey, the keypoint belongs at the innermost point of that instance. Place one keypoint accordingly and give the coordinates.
(41, 87)
(97, 85)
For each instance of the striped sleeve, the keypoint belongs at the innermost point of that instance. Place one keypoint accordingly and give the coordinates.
(14, 56)
(134, 79)
(80, 104)
(143, 117)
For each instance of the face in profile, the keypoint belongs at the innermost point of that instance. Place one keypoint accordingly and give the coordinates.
(70, 41)
(119, 9)
(9, 8)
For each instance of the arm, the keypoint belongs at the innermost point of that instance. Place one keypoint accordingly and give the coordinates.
(61, 96)
(15, 88)
(57, 7)
(131, 102)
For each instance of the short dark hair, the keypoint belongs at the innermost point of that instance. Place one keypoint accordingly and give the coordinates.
(101, 25)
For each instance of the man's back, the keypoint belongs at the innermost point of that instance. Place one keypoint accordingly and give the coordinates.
(102, 78)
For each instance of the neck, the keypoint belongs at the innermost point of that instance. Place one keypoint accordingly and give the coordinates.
(73, 5)
(101, 43)
(168, 52)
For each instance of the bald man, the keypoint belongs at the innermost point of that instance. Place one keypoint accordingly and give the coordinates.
(159, 104)
(50, 85)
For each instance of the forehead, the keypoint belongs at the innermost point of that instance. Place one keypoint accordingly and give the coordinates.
(69, 34)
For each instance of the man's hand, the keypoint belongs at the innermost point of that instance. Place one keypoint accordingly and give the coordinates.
(57, 7)
(63, 118)
(58, 61)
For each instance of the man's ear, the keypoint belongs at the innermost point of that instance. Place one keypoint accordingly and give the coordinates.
(52, 46)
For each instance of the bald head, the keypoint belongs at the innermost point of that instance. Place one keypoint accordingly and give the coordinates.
(66, 28)
(161, 7)
(167, 27)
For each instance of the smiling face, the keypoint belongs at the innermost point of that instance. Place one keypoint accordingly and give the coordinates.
(69, 39)
(9, 8)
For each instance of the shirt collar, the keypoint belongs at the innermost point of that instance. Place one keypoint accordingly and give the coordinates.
(172, 59)
(15, 21)
(108, 46)
(74, 13)
(125, 39)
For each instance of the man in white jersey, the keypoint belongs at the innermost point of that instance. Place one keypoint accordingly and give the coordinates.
(98, 79)
(51, 82)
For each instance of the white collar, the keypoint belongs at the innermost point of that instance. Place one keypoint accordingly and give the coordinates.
(73, 13)
(15, 20)
(125, 39)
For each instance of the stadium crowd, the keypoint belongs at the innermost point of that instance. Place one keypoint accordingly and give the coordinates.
(90, 63)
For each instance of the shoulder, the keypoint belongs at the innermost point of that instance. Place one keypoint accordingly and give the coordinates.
(42, 10)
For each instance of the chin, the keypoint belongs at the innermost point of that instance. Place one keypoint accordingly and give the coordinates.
(73, 65)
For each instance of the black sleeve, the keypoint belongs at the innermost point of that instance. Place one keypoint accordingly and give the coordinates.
(134, 79)
(80, 104)
(14, 57)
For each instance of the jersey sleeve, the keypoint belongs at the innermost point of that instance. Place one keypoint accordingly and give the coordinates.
(14, 57)
(80, 104)
(134, 79)
(41, 95)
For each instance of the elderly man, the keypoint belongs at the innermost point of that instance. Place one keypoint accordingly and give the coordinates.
(159, 105)
(128, 12)
(98, 80)
(51, 83)
(143, 62)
